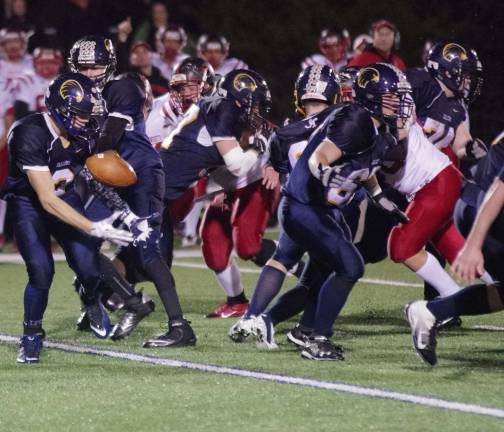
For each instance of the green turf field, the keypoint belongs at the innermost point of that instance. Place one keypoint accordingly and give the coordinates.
(78, 392)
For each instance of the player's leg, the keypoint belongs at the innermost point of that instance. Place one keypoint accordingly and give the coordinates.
(217, 245)
(34, 242)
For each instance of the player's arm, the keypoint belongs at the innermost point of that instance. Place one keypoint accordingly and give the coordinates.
(380, 199)
(469, 262)
(237, 161)
(467, 147)
(42, 184)
(319, 163)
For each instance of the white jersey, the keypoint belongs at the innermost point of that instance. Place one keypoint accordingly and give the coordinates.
(165, 68)
(11, 72)
(31, 90)
(229, 65)
(162, 119)
(319, 59)
(423, 163)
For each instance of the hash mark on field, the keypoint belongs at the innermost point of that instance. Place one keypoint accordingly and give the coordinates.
(340, 387)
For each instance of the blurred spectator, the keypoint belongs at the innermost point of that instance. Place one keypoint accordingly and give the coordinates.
(385, 42)
(360, 43)
(215, 50)
(15, 61)
(47, 63)
(425, 51)
(173, 40)
(18, 17)
(333, 44)
(141, 61)
(154, 25)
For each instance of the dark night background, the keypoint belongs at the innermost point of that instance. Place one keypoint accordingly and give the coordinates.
(274, 36)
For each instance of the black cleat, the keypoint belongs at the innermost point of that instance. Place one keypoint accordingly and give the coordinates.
(449, 323)
(299, 335)
(423, 330)
(136, 311)
(30, 347)
(114, 303)
(179, 334)
(82, 323)
(321, 348)
(99, 321)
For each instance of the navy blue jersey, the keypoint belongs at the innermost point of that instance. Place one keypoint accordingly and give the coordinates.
(491, 165)
(439, 115)
(190, 152)
(287, 143)
(34, 144)
(350, 128)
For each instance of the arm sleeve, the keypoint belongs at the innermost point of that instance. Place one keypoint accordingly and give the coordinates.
(28, 148)
(224, 121)
(351, 132)
(278, 159)
(124, 99)
(111, 133)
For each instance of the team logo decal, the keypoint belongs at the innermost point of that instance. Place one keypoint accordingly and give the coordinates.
(366, 76)
(71, 89)
(244, 81)
(108, 45)
(454, 50)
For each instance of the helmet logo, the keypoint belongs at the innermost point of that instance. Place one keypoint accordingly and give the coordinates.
(244, 81)
(108, 45)
(366, 76)
(71, 89)
(460, 51)
(87, 52)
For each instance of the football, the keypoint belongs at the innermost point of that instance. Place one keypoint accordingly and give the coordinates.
(111, 169)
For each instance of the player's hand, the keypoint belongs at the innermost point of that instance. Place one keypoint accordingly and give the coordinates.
(140, 227)
(104, 229)
(271, 178)
(259, 142)
(385, 204)
(469, 264)
(332, 177)
(124, 28)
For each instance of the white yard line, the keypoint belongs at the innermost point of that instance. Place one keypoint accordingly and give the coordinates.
(340, 387)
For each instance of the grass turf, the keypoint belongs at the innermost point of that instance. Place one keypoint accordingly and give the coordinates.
(79, 392)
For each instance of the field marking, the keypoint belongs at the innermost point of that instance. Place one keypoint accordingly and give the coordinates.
(487, 327)
(335, 386)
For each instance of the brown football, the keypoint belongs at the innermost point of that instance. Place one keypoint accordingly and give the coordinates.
(111, 169)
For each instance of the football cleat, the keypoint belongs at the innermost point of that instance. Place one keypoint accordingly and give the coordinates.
(179, 334)
(114, 303)
(423, 330)
(99, 321)
(449, 323)
(242, 328)
(29, 348)
(299, 335)
(82, 323)
(321, 348)
(225, 310)
(265, 332)
(132, 316)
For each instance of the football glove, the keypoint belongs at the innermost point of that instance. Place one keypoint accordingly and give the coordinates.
(140, 227)
(104, 229)
(332, 177)
(385, 204)
(476, 149)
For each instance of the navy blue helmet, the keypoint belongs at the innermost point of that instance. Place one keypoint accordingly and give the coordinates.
(474, 84)
(69, 96)
(373, 88)
(449, 63)
(316, 83)
(93, 51)
(251, 91)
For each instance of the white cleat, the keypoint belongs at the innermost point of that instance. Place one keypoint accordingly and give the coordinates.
(242, 329)
(423, 330)
(265, 333)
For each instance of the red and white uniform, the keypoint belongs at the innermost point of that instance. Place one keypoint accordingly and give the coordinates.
(31, 90)
(11, 72)
(230, 64)
(162, 120)
(320, 59)
(238, 223)
(432, 185)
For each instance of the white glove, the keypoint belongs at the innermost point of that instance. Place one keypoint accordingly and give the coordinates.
(105, 230)
(331, 177)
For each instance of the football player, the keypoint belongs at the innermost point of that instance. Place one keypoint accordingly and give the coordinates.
(210, 134)
(315, 90)
(44, 149)
(215, 50)
(334, 44)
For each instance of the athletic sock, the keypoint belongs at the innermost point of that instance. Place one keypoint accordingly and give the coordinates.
(434, 274)
(230, 280)
(289, 304)
(268, 285)
(477, 299)
(159, 273)
(240, 298)
(35, 303)
(332, 297)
